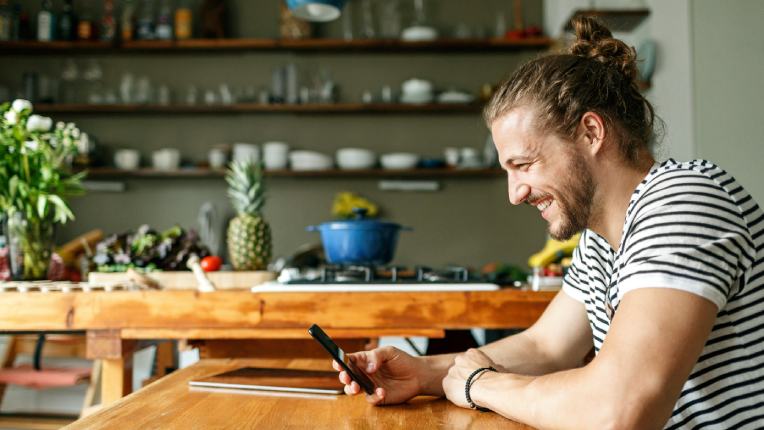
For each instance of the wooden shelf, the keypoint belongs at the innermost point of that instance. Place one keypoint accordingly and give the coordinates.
(616, 19)
(259, 108)
(191, 173)
(334, 45)
(34, 46)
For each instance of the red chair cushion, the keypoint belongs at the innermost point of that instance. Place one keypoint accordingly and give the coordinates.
(25, 375)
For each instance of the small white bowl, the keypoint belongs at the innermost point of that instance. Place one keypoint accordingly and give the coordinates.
(355, 158)
(399, 161)
(416, 86)
(309, 160)
(419, 33)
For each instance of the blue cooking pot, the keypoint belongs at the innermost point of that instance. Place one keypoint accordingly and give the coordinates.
(316, 10)
(359, 241)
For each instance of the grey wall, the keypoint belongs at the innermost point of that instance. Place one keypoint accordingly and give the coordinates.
(469, 222)
(728, 55)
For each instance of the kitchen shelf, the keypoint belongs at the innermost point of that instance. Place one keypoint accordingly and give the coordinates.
(190, 173)
(259, 108)
(616, 19)
(334, 45)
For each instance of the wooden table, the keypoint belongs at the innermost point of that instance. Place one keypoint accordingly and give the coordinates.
(170, 404)
(113, 321)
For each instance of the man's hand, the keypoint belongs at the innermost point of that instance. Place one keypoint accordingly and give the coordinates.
(397, 375)
(464, 365)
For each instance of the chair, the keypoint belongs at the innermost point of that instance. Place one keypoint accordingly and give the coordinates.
(37, 376)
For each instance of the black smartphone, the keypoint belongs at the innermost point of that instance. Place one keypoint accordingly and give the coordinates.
(339, 356)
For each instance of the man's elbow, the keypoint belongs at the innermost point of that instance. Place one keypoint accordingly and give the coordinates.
(638, 406)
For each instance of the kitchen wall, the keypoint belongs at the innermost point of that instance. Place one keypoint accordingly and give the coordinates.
(671, 90)
(728, 60)
(469, 222)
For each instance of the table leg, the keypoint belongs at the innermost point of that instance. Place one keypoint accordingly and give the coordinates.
(117, 379)
(117, 363)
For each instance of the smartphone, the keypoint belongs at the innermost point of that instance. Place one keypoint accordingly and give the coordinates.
(339, 356)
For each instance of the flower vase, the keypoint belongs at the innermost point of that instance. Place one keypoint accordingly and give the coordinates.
(30, 246)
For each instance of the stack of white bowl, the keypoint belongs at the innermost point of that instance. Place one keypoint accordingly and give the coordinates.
(355, 158)
(303, 160)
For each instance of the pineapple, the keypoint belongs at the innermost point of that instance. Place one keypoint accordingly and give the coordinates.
(249, 235)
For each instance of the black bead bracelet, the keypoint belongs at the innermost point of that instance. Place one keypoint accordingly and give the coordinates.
(468, 385)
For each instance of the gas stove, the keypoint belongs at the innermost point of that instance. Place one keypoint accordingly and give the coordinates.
(371, 278)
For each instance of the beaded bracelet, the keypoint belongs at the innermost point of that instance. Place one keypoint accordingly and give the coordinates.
(468, 385)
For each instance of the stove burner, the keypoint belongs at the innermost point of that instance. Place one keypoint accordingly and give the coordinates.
(358, 274)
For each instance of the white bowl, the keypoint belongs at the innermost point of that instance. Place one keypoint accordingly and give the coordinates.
(166, 159)
(309, 160)
(399, 161)
(416, 86)
(355, 158)
(416, 98)
(419, 33)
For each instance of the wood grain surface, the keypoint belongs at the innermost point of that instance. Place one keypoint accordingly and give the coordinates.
(170, 404)
(506, 308)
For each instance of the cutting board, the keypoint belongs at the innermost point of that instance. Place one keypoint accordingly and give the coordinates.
(185, 280)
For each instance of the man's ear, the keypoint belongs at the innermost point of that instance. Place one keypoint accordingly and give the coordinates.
(592, 129)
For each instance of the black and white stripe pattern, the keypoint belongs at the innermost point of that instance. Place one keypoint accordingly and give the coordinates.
(690, 226)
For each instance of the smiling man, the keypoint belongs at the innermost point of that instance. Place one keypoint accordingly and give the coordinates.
(666, 285)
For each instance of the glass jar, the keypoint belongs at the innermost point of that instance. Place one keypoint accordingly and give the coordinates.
(30, 245)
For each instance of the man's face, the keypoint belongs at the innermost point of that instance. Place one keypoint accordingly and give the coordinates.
(544, 171)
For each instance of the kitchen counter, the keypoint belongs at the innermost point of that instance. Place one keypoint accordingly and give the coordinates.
(170, 403)
(114, 320)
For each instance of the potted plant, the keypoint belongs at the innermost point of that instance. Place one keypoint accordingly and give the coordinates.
(35, 170)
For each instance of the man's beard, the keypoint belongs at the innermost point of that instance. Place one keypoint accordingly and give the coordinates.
(575, 201)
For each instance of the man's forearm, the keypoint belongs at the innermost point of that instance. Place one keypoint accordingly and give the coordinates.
(516, 354)
(559, 400)
(521, 354)
(435, 368)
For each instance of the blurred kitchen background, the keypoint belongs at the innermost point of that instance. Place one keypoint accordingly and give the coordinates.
(702, 61)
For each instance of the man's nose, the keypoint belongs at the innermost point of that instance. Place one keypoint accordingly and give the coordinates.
(518, 192)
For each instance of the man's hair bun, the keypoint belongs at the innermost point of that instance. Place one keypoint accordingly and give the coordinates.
(594, 40)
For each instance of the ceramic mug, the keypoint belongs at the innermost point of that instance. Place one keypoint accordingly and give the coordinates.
(275, 155)
(243, 152)
(166, 159)
(127, 159)
(217, 158)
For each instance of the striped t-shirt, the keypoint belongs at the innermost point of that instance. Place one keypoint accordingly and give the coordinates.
(692, 227)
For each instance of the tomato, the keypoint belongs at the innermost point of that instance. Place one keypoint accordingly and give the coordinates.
(211, 263)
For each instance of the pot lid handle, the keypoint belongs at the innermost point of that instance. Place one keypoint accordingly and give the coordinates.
(360, 213)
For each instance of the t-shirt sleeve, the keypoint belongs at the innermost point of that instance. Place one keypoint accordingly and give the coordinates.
(687, 238)
(574, 283)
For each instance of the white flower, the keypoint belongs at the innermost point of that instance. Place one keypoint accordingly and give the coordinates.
(70, 126)
(21, 104)
(11, 117)
(31, 145)
(39, 123)
(60, 125)
(67, 142)
(76, 133)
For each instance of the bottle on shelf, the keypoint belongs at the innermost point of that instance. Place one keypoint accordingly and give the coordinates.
(108, 22)
(21, 29)
(5, 20)
(164, 21)
(46, 22)
(183, 21)
(85, 27)
(67, 22)
(127, 21)
(146, 21)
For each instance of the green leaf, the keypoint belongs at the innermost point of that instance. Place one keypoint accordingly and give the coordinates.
(42, 205)
(63, 213)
